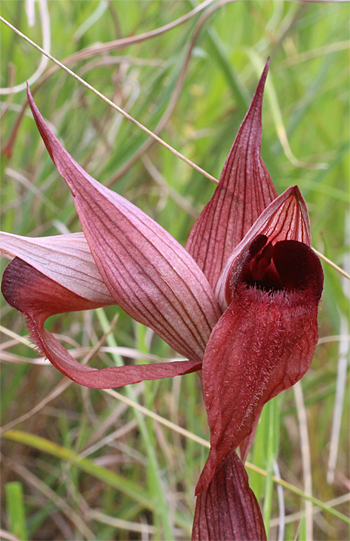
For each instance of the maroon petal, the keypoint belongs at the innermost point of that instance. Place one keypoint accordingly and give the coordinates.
(228, 509)
(38, 297)
(147, 272)
(263, 343)
(244, 191)
(66, 259)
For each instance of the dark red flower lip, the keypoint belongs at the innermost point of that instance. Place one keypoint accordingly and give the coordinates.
(262, 344)
(286, 218)
(272, 268)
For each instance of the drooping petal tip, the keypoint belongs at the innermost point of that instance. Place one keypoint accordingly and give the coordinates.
(38, 297)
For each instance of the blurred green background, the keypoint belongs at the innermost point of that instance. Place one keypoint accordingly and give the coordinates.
(191, 83)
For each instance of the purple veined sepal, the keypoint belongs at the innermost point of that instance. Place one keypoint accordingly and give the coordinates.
(122, 257)
(245, 189)
(241, 303)
(146, 271)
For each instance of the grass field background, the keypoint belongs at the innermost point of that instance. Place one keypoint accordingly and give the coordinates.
(81, 464)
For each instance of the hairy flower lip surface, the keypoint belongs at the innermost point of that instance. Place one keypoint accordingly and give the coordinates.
(269, 268)
(275, 335)
(286, 218)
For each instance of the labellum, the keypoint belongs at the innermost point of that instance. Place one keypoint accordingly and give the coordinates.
(240, 302)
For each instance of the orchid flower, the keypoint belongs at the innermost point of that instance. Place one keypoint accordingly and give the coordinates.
(240, 302)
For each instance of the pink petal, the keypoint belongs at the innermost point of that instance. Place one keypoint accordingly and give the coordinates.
(38, 297)
(244, 191)
(263, 344)
(228, 509)
(147, 272)
(66, 259)
(286, 218)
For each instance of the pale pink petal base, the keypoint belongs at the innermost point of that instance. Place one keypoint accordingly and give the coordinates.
(66, 259)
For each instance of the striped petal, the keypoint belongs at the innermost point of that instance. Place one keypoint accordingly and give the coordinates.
(147, 272)
(228, 509)
(244, 191)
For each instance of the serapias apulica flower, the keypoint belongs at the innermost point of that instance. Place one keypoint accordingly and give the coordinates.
(239, 302)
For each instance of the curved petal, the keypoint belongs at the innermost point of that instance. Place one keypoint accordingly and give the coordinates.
(286, 218)
(66, 259)
(147, 272)
(38, 297)
(244, 191)
(228, 509)
(274, 338)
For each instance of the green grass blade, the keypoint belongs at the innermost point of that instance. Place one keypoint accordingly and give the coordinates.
(110, 478)
(15, 510)
(161, 506)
